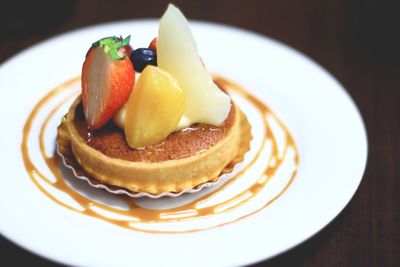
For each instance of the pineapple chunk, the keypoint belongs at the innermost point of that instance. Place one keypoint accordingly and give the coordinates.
(154, 108)
(177, 54)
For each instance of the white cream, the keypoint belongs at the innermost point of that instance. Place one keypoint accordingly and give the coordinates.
(119, 119)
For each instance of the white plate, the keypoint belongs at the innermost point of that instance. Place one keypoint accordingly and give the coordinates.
(321, 116)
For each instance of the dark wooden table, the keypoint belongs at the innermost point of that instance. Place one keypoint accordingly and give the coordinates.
(356, 40)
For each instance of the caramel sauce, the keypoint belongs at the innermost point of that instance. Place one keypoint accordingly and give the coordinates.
(135, 213)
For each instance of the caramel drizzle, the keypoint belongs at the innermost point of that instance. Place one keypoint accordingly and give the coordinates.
(143, 215)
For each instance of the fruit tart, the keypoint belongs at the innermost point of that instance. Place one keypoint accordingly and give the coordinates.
(152, 119)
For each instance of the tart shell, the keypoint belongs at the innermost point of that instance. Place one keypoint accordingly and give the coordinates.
(170, 177)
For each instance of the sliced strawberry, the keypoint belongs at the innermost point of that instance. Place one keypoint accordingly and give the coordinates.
(108, 77)
(153, 44)
(125, 50)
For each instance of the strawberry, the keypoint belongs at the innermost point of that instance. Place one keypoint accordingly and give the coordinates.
(108, 77)
(153, 44)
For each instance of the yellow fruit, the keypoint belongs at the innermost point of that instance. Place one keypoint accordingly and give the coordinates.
(177, 54)
(154, 108)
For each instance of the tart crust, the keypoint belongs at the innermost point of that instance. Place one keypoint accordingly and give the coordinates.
(155, 176)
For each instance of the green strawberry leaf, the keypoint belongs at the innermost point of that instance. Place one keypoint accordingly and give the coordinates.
(111, 45)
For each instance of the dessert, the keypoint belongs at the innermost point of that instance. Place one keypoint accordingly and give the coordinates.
(170, 130)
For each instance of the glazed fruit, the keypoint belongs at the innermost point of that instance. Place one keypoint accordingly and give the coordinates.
(108, 77)
(177, 54)
(125, 50)
(142, 57)
(153, 44)
(154, 108)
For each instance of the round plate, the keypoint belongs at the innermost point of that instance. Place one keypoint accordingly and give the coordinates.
(322, 118)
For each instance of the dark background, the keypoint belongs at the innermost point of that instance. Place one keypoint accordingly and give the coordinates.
(356, 40)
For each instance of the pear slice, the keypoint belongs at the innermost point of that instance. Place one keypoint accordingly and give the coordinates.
(177, 54)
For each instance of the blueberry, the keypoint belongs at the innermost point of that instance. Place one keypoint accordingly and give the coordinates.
(142, 57)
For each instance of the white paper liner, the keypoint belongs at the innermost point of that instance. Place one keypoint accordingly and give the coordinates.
(122, 191)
